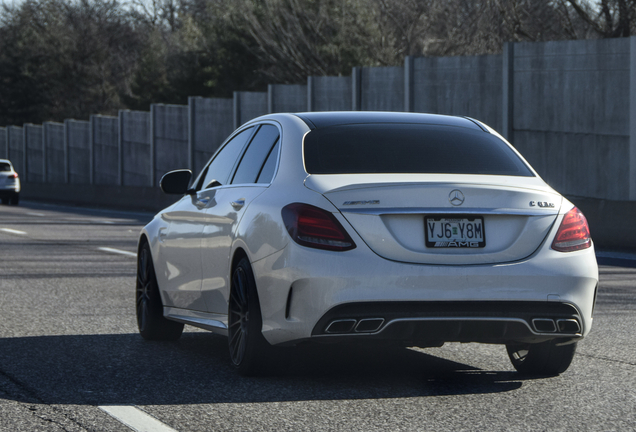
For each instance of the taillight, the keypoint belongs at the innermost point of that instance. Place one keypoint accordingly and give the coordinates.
(314, 227)
(14, 175)
(573, 234)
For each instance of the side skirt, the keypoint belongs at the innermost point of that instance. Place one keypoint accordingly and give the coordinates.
(216, 323)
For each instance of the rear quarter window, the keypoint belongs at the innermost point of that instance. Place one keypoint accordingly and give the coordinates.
(409, 149)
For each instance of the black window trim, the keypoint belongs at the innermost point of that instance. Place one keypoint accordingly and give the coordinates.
(199, 186)
(280, 135)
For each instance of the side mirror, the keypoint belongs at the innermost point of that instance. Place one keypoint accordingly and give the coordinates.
(176, 182)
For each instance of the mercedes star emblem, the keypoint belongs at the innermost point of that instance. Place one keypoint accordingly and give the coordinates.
(456, 197)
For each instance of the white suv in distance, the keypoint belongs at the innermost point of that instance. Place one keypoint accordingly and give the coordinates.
(9, 183)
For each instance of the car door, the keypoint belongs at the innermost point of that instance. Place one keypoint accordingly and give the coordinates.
(180, 243)
(251, 177)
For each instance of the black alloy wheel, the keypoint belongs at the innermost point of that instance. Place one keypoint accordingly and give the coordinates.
(248, 347)
(546, 358)
(150, 320)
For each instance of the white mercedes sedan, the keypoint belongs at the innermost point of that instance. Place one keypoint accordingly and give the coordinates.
(366, 227)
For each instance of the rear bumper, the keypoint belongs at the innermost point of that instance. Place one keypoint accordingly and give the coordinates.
(302, 291)
(432, 323)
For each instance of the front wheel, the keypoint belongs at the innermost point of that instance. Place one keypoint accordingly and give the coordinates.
(546, 358)
(150, 320)
(248, 347)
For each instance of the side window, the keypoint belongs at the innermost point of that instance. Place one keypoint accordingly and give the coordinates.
(255, 155)
(221, 166)
(267, 173)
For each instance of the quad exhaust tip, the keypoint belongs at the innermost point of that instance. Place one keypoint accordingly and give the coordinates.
(366, 325)
(548, 325)
(544, 325)
(568, 326)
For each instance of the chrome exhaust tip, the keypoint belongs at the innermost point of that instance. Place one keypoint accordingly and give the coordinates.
(544, 325)
(340, 326)
(568, 326)
(369, 325)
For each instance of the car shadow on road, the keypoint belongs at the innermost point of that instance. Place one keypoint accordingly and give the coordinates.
(125, 369)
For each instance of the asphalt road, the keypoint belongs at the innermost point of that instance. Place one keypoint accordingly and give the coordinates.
(69, 352)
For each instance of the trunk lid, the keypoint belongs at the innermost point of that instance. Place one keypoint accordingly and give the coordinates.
(394, 214)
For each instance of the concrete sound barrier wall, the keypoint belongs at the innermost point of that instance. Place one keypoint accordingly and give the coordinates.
(381, 88)
(34, 153)
(3, 143)
(248, 105)
(466, 86)
(329, 93)
(106, 151)
(571, 114)
(77, 133)
(286, 98)
(169, 138)
(15, 145)
(211, 122)
(135, 142)
(55, 166)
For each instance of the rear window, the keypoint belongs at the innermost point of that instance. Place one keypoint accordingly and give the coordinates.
(409, 149)
(5, 166)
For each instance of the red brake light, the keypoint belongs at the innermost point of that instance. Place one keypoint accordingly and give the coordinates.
(314, 227)
(573, 234)
(14, 175)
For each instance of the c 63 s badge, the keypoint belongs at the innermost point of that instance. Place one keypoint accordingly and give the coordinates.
(542, 204)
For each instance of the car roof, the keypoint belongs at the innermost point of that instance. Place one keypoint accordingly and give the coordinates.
(6, 161)
(338, 118)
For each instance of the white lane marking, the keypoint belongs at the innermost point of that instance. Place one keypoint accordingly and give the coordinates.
(12, 231)
(35, 214)
(135, 418)
(117, 251)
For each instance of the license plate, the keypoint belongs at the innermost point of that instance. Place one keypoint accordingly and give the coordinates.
(454, 231)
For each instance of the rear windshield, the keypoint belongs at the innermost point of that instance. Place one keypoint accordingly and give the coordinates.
(409, 148)
(5, 166)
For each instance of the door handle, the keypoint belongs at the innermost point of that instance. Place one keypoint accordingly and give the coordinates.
(202, 202)
(238, 204)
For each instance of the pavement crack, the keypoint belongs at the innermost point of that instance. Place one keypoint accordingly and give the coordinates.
(37, 407)
(597, 357)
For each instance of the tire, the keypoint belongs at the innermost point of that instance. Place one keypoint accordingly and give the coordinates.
(150, 320)
(5, 201)
(546, 358)
(248, 348)
(15, 199)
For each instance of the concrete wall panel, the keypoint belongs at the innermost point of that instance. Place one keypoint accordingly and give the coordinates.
(54, 151)
(464, 86)
(16, 149)
(105, 130)
(136, 154)
(34, 153)
(330, 93)
(4, 153)
(571, 113)
(572, 86)
(79, 155)
(211, 123)
(578, 164)
(170, 135)
(287, 98)
(382, 89)
(249, 105)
